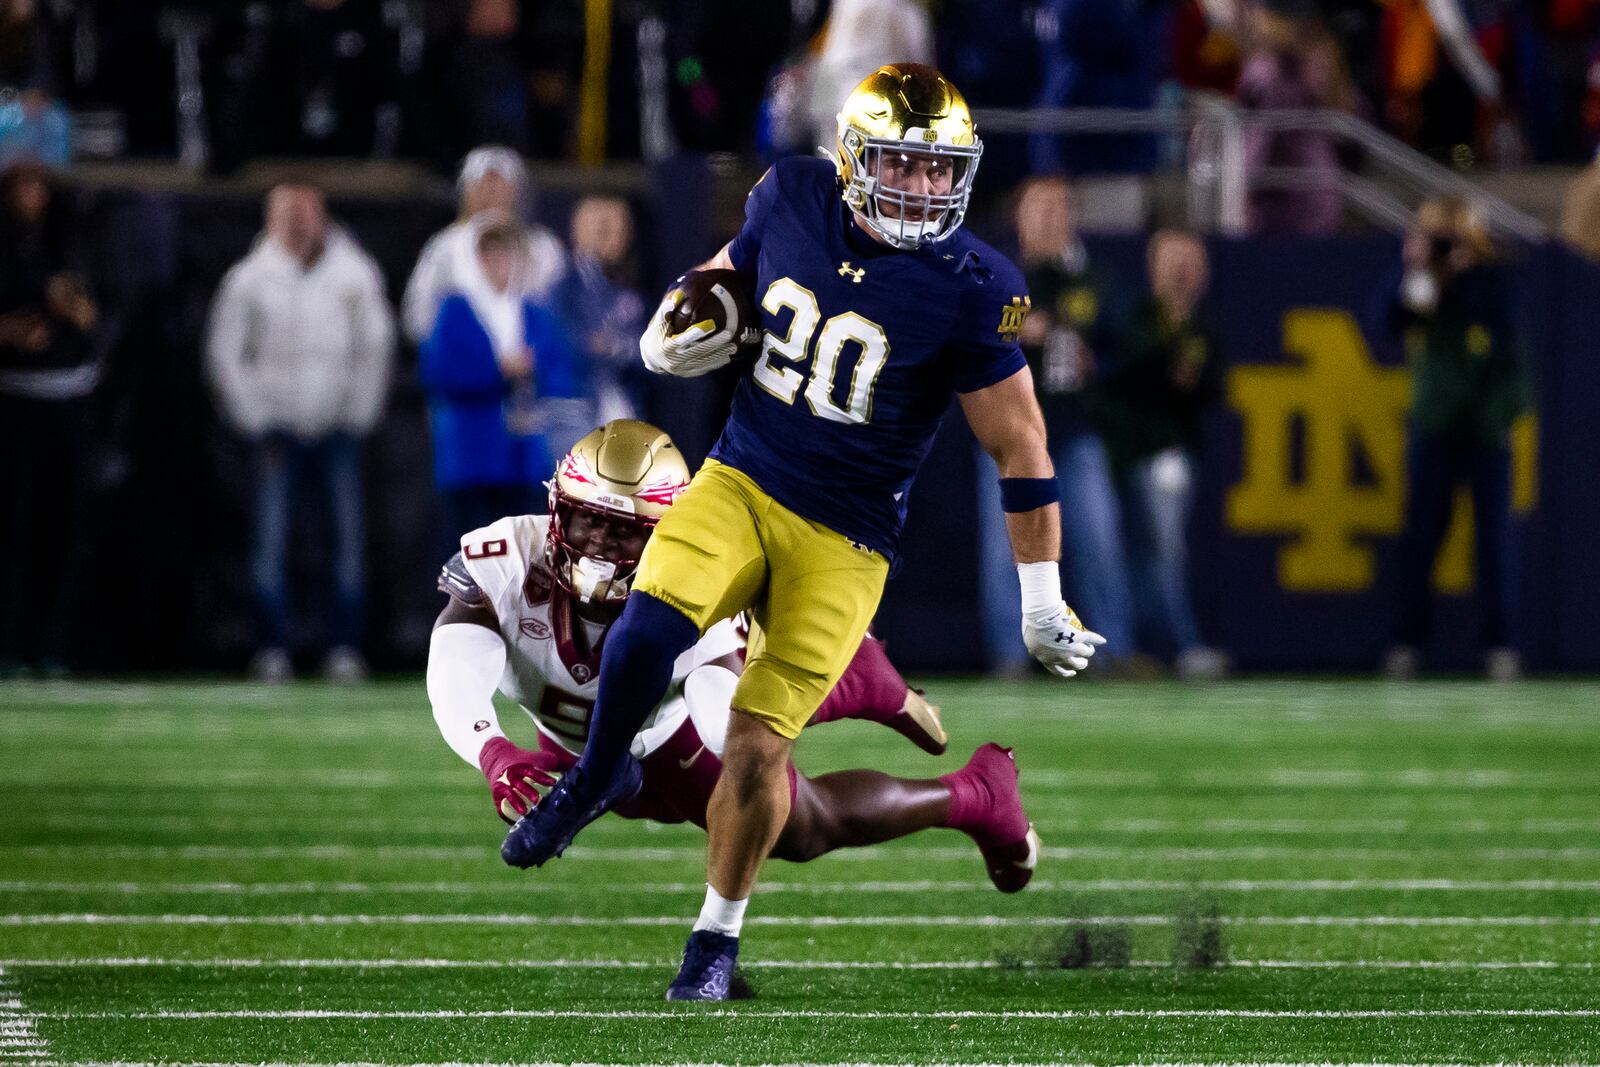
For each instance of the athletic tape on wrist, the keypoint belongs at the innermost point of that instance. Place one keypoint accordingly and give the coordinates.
(1041, 589)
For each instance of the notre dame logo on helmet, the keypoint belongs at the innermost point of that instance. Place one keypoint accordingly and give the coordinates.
(1012, 318)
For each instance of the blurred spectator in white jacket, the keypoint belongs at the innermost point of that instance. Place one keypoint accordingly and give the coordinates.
(300, 349)
(492, 179)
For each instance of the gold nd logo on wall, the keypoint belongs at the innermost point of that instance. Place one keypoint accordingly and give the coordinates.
(1344, 416)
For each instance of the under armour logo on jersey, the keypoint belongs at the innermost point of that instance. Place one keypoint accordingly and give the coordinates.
(855, 274)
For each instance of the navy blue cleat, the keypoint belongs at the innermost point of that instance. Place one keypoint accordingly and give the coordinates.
(572, 803)
(707, 969)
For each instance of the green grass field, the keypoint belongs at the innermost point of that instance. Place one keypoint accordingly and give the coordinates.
(198, 874)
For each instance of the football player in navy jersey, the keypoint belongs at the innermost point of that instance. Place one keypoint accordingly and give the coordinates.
(876, 309)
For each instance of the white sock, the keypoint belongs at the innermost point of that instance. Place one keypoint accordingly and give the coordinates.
(720, 915)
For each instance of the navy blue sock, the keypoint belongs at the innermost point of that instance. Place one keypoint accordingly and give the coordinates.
(635, 671)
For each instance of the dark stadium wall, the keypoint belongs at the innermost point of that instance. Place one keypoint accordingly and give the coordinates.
(1292, 545)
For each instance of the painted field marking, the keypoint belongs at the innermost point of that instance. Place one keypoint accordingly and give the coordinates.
(1119, 885)
(1086, 780)
(957, 1063)
(636, 854)
(432, 963)
(441, 831)
(805, 1013)
(503, 919)
(19, 1039)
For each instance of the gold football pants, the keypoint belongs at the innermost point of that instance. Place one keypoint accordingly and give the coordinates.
(724, 547)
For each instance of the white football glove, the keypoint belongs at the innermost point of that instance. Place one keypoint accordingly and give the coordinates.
(1052, 631)
(698, 350)
(1060, 641)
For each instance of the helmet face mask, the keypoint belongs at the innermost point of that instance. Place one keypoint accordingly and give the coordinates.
(606, 497)
(900, 117)
(905, 219)
(594, 551)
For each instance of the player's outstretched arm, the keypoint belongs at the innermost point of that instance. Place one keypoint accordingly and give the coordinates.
(1006, 419)
(466, 657)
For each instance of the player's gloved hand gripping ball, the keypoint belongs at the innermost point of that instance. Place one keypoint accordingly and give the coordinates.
(1053, 633)
(517, 777)
(703, 321)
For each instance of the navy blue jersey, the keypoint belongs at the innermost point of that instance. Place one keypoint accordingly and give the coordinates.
(864, 348)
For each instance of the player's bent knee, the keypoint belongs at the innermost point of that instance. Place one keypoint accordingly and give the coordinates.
(780, 696)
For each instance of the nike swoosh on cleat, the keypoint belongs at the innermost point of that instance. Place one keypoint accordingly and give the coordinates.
(683, 764)
(1030, 861)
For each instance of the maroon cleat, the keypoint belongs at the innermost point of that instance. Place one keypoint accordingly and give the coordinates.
(871, 689)
(986, 805)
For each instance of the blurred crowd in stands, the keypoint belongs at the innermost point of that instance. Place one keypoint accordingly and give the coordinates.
(223, 81)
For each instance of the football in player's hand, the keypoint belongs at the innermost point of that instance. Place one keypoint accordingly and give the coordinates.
(722, 297)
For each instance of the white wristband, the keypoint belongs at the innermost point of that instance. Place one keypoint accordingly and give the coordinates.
(465, 662)
(1041, 589)
(1419, 289)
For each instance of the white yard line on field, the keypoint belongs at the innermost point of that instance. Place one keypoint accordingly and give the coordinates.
(505, 919)
(804, 1013)
(1513, 829)
(956, 1063)
(426, 963)
(1084, 780)
(19, 1040)
(1119, 885)
(637, 854)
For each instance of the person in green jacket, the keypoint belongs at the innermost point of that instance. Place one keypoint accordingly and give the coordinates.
(1453, 310)
(1152, 395)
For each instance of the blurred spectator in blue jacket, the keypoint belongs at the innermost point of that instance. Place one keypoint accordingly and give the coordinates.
(603, 314)
(33, 126)
(492, 180)
(492, 367)
(1098, 53)
(1070, 329)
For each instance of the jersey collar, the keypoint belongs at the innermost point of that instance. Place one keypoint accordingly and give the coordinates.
(572, 643)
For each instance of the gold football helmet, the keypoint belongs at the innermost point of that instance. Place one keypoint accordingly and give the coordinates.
(617, 481)
(906, 110)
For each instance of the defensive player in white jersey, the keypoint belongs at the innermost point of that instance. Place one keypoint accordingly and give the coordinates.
(531, 599)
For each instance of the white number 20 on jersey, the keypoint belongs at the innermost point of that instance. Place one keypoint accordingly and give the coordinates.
(797, 348)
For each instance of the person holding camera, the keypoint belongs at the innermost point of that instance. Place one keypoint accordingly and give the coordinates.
(1453, 310)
